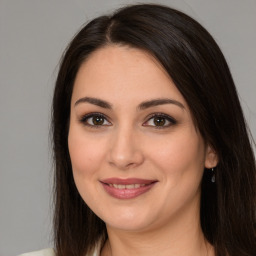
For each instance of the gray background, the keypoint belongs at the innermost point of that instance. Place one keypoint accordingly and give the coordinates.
(33, 34)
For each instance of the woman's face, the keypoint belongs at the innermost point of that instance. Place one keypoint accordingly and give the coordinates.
(137, 158)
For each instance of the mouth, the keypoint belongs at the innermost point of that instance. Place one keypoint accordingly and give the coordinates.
(127, 188)
(130, 186)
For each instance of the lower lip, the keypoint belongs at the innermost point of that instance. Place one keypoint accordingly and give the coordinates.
(127, 193)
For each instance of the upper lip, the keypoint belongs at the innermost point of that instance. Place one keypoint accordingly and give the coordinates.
(128, 181)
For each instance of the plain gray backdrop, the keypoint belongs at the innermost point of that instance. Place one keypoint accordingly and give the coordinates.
(33, 34)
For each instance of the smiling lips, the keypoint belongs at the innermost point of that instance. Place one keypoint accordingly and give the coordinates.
(127, 188)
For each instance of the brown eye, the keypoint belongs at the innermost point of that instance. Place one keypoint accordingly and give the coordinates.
(159, 121)
(95, 120)
(98, 120)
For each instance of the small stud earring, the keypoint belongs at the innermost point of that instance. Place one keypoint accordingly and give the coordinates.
(213, 176)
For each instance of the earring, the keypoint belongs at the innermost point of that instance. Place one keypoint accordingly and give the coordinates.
(213, 176)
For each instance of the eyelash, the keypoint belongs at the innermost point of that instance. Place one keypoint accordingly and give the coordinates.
(172, 121)
(167, 118)
(85, 118)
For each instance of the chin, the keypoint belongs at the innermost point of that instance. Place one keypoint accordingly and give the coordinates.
(128, 220)
(130, 226)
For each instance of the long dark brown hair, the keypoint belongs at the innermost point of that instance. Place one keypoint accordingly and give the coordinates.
(197, 66)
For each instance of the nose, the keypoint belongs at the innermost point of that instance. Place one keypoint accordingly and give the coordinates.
(126, 150)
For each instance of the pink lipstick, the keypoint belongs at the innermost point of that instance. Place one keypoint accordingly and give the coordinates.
(127, 188)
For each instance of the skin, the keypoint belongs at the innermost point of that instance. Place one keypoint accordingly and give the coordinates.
(129, 144)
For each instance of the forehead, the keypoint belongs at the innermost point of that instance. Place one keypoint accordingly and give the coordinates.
(121, 72)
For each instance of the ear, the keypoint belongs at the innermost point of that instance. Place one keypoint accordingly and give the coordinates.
(211, 158)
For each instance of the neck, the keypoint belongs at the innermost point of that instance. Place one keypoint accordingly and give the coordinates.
(180, 237)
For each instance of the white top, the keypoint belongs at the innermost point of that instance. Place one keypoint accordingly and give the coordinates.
(50, 252)
(45, 252)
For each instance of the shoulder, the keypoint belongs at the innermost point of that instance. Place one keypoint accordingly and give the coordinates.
(45, 252)
(50, 252)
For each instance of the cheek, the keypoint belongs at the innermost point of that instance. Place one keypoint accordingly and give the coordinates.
(86, 161)
(181, 161)
(84, 153)
(180, 156)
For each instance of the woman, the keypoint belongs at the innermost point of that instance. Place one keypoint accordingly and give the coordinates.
(152, 153)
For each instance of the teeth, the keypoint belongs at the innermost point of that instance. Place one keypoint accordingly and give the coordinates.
(121, 186)
(130, 186)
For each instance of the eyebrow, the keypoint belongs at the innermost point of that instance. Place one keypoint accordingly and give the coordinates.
(94, 101)
(142, 106)
(157, 102)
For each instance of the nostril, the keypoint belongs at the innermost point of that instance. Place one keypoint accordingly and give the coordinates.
(126, 159)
